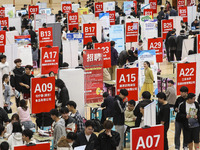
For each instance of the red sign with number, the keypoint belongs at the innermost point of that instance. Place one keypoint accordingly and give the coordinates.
(198, 43)
(128, 79)
(180, 3)
(49, 60)
(45, 37)
(106, 53)
(135, 6)
(148, 12)
(157, 44)
(89, 30)
(131, 32)
(4, 22)
(66, 8)
(2, 41)
(153, 5)
(43, 146)
(186, 76)
(167, 25)
(2, 12)
(98, 8)
(42, 94)
(182, 11)
(111, 17)
(72, 21)
(33, 10)
(147, 139)
(191, 2)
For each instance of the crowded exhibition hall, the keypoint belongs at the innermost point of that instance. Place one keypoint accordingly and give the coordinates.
(99, 75)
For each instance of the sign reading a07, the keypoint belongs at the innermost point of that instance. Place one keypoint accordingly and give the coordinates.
(45, 33)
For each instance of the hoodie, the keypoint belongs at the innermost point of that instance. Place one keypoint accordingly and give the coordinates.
(15, 139)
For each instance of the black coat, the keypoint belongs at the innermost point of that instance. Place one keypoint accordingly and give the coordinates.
(81, 140)
(63, 96)
(105, 142)
(179, 41)
(108, 103)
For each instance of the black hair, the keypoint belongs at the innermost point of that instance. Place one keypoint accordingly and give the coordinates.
(23, 26)
(124, 92)
(184, 89)
(64, 110)
(2, 128)
(105, 94)
(27, 133)
(161, 95)
(191, 95)
(140, 41)
(72, 136)
(182, 31)
(15, 116)
(132, 102)
(51, 72)
(89, 45)
(191, 52)
(89, 123)
(173, 32)
(171, 81)
(130, 52)
(144, 104)
(72, 103)
(59, 83)
(5, 28)
(2, 57)
(17, 127)
(112, 43)
(4, 77)
(94, 39)
(65, 64)
(17, 60)
(29, 67)
(148, 64)
(31, 27)
(108, 124)
(54, 112)
(44, 25)
(23, 104)
(146, 95)
(133, 8)
(4, 146)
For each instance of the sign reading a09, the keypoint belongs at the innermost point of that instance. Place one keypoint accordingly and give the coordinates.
(45, 87)
(45, 33)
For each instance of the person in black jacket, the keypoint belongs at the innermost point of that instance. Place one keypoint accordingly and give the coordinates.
(16, 75)
(189, 116)
(108, 140)
(86, 137)
(172, 45)
(124, 56)
(33, 35)
(63, 95)
(133, 12)
(119, 118)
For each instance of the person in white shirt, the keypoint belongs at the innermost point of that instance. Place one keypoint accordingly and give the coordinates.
(64, 33)
(4, 66)
(142, 105)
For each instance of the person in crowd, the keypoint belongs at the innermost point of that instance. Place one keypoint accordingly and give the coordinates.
(141, 107)
(109, 139)
(71, 105)
(89, 45)
(164, 116)
(86, 137)
(173, 12)
(65, 65)
(4, 146)
(94, 39)
(15, 139)
(15, 77)
(64, 20)
(166, 15)
(59, 127)
(4, 66)
(179, 42)
(33, 35)
(65, 143)
(119, 119)
(24, 115)
(2, 132)
(168, 6)
(27, 137)
(149, 79)
(64, 33)
(129, 116)
(171, 93)
(25, 21)
(172, 45)
(195, 24)
(6, 93)
(139, 46)
(24, 30)
(51, 74)
(178, 124)
(63, 95)
(161, 14)
(133, 12)
(189, 116)
(123, 57)
(43, 120)
(114, 60)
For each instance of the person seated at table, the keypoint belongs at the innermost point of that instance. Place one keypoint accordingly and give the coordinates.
(142, 105)
(195, 24)
(65, 143)
(129, 116)
(139, 46)
(27, 137)
(2, 132)
(43, 120)
(123, 57)
(4, 146)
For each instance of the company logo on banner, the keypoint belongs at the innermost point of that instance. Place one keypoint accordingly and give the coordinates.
(42, 94)
(198, 43)
(93, 64)
(45, 37)
(2, 12)
(128, 79)
(149, 139)
(72, 21)
(180, 3)
(167, 25)
(135, 6)
(2, 41)
(153, 5)
(49, 60)
(89, 30)
(98, 8)
(148, 12)
(4, 22)
(157, 44)
(186, 76)
(111, 17)
(66, 8)
(106, 53)
(182, 11)
(131, 32)
(33, 10)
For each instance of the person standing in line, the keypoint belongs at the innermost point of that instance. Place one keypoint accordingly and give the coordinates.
(171, 93)
(114, 60)
(172, 45)
(4, 66)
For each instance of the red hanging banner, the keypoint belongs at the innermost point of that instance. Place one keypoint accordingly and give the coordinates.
(66, 8)
(180, 3)
(111, 17)
(182, 11)
(72, 21)
(43, 146)
(33, 10)
(106, 53)
(131, 32)
(135, 6)
(167, 25)
(98, 8)
(4, 22)
(45, 37)
(198, 43)
(2, 12)
(2, 41)
(148, 12)
(128, 79)
(191, 2)
(89, 30)
(153, 5)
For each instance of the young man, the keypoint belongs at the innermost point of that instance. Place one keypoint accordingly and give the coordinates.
(133, 12)
(59, 127)
(164, 116)
(119, 119)
(24, 30)
(4, 66)
(86, 137)
(4, 146)
(172, 45)
(171, 93)
(189, 116)
(129, 116)
(71, 105)
(114, 60)
(16, 75)
(179, 125)
(65, 142)
(108, 140)
(27, 136)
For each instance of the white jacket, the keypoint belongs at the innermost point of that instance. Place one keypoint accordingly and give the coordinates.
(15, 139)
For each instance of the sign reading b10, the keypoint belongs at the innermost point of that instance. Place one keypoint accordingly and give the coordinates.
(33, 10)
(42, 94)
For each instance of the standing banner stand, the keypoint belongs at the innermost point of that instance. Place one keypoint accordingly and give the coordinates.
(42, 146)
(72, 21)
(188, 44)
(150, 114)
(105, 24)
(4, 22)
(10, 37)
(39, 19)
(166, 26)
(127, 7)
(17, 22)
(76, 36)
(89, 30)
(191, 13)
(2, 41)
(45, 37)
(33, 10)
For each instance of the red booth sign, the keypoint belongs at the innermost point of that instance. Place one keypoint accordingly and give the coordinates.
(2, 12)
(42, 94)
(147, 139)
(128, 79)
(111, 17)
(43, 146)
(4, 22)
(186, 76)
(153, 5)
(157, 44)
(148, 12)
(167, 25)
(45, 37)
(198, 43)
(89, 30)
(182, 11)
(191, 2)
(135, 6)
(98, 8)
(131, 32)
(106, 53)
(66, 8)
(180, 3)
(72, 21)
(49, 60)
(33, 10)
(2, 41)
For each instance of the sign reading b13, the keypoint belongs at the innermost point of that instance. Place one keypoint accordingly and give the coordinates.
(45, 37)
(2, 41)
(42, 94)
(33, 10)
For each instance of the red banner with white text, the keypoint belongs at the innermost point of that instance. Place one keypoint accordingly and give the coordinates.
(2, 12)
(198, 43)
(33, 10)
(167, 25)
(180, 3)
(4, 22)
(72, 21)
(132, 32)
(111, 17)
(148, 12)
(41, 146)
(2, 41)
(89, 30)
(45, 37)
(153, 5)
(66, 8)
(98, 8)
(182, 11)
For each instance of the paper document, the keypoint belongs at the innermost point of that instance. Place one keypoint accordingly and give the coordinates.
(80, 147)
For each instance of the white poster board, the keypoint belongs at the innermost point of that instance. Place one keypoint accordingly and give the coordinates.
(25, 54)
(42, 5)
(10, 12)
(150, 114)
(11, 53)
(51, 19)
(145, 6)
(108, 6)
(105, 24)
(23, 12)
(188, 44)
(191, 13)
(89, 18)
(16, 22)
(39, 20)
(10, 37)
(75, 7)
(177, 23)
